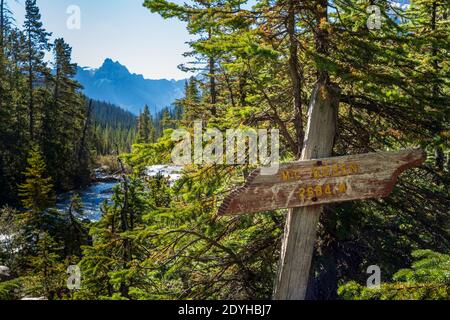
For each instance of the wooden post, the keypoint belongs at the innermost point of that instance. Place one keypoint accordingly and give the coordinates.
(301, 223)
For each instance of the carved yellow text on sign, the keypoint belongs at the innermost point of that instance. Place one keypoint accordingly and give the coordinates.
(305, 183)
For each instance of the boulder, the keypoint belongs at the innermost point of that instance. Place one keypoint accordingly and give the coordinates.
(5, 273)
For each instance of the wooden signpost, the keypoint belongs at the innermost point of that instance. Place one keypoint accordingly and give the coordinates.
(322, 181)
(308, 185)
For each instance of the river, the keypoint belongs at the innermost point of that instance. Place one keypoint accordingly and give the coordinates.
(91, 197)
(94, 195)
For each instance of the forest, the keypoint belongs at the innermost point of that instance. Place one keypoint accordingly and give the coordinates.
(263, 64)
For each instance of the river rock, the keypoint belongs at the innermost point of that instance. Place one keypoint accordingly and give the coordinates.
(170, 172)
(102, 175)
(5, 273)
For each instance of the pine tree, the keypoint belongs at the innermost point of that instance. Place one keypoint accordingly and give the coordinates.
(37, 44)
(64, 122)
(165, 121)
(49, 275)
(37, 196)
(4, 24)
(109, 266)
(201, 21)
(187, 106)
(76, 234)
(146, 132)
(37, 190)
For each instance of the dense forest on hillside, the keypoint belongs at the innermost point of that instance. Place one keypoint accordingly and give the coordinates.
(113, 128)
(41, 107)
(259, 67)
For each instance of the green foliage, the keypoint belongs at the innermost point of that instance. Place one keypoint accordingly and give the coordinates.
(47, 142)
(113, 127)
(9, 289)
(178, 249)
(37, 190)
(76, 229)
(110, 259)
(36, 38)
(146, 132)
(64, 122)
(12, 231)
(427, 279)
(48, 277)
(251, 51)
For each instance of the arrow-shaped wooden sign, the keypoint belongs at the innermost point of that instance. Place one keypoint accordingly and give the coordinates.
(315, 182)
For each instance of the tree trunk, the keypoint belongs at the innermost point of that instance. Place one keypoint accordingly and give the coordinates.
(439, 158)
(438, 152)
(242, 92)
(2, 24)
(2, 31)
(30, 88)
(295, 76)
(301, 224)
(448, 161)
(83, 136)
(212, 81)
(124, 288)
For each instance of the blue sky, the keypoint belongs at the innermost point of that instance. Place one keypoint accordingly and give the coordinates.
(122, 30)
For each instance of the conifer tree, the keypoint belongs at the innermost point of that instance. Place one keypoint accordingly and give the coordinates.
(146, 131)
(37, 196)
(63, 122)
(49, 275)
(2, 23)
(37, 45)
(165, 120)
(76, 234)
(110, 269)
(187, 106)
(37, 190)
(201, 20)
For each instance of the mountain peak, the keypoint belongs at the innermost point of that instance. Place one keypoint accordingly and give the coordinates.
(112, 69)
(113, 82)
(110, 62)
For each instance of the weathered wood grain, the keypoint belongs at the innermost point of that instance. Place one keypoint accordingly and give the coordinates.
(322, 181)
(301, 223)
